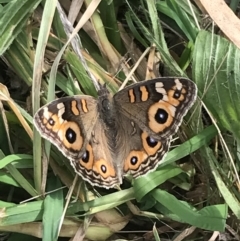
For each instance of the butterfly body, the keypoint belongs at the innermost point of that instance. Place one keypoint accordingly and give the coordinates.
(108, 137)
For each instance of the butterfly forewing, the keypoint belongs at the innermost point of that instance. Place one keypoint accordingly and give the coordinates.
(157, 105)
(68, 123)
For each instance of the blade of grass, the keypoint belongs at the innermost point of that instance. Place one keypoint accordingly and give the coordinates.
(13, 18)
(216, 61)
(53, 208)
(210, 218)
(48, 13)
(22, 181)
(230, 199)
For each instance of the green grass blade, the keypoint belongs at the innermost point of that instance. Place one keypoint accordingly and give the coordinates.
(14, 157)
(102, 203)
(216, 72)
(147, 183)
(193, 144)
(182, 20)
(170, 64)
(7, 179)
(13, 18)
(46, 22)
(53, 209)
(228, 196)
(108, 16)
(210, 218)
(22, 213)
(18, 56)
(23, 182)
(155, 233)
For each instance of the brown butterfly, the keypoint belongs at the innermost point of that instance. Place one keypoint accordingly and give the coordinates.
(129, 132)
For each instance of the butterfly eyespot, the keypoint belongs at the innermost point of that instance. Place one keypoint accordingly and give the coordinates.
(161, 116)
(177, 94)
(103, 168)
(151, 141)
(71, 135)
(150, 145)
(134, 160)
(85, 157)
(51, 122)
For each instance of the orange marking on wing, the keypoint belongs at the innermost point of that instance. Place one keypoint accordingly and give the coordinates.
(141, 157)
(84, 105)
(56, 120)
(172, 100)
(77, 144)
(110, 171)
(45, 121)
(150, 150)
(184, 91)
(131, 95)
(88, 164)
(144, 93)
(74, 108)
(153, 124)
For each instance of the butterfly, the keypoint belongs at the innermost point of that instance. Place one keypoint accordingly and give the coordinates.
(108, 137)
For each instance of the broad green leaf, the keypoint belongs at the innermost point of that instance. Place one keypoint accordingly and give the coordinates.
(216, 72)
(147, 183)
(103, 203)
(22, 213)
(210, 218)
(193, 144)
